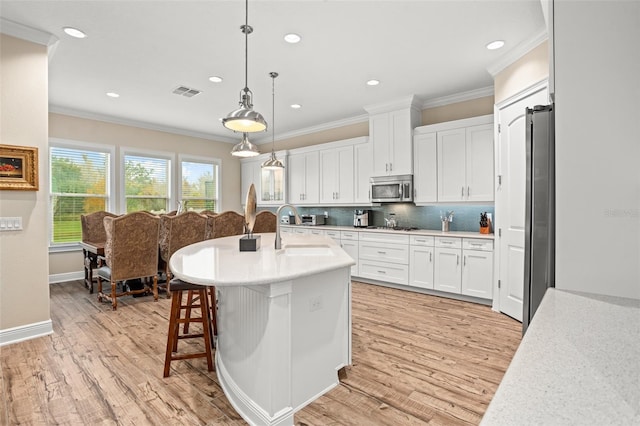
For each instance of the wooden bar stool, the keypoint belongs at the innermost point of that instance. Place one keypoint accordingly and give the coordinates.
(178, 288)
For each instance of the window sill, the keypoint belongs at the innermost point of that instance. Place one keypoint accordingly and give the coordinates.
(63, 248)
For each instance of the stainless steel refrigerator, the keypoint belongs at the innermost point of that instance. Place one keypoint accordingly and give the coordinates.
(539, 244)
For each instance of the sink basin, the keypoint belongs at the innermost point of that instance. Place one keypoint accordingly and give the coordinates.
(307, 250)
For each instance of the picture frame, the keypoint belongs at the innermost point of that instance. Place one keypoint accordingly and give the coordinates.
(18, 168)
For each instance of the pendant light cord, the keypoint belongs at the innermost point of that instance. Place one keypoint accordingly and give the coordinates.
(246, 31)
(273, 112)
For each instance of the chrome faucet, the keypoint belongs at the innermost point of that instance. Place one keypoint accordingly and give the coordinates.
(298, 222)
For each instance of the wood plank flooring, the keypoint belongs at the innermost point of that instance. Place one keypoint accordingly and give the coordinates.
(417, 359)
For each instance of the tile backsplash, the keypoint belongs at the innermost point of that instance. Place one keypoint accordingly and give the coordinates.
(465, 217)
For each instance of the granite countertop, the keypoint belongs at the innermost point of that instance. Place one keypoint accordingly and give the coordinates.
(430, 232)
(220, 262)
(578, 364)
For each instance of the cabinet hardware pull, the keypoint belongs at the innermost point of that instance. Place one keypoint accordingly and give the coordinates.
(390, 167)
(430, 256)
(464, 261)
(457, 259)
(382, 272)
(468, 192)
(382, 252)
(462, 193)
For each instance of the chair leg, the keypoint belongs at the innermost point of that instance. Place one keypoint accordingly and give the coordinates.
(155, 287)
(214, 309)
(172, 335)
(206, 325)
(114, 299)
(187, 314)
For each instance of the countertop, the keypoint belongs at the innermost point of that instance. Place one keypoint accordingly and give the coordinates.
(578, 364)
(220, 262)
(436, 233)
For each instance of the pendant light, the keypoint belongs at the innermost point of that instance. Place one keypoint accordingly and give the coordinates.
(245, 119)
(273, 163)
(244, 148)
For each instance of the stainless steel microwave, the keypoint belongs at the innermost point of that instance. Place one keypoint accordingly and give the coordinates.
(390, 189)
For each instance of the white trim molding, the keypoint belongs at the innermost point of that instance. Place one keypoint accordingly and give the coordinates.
(25, 332)
(66, 276)
(517, 52)
(459, 97)
(33, 35)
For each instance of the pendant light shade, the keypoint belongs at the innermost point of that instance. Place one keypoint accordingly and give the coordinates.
(273, 163)
(244, 148)
(245, 119)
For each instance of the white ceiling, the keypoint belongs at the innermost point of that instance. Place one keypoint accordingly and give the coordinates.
(144, 49)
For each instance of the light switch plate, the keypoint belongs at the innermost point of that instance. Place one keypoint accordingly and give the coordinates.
(10, 223)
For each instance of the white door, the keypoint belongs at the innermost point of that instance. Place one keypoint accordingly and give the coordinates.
(510, 200)
(477, 273)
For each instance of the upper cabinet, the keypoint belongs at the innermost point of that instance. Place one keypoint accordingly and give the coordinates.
(270, 185)
(363, 162)
(390, 133)
(304, 177)
(336, 175)
(456, 160)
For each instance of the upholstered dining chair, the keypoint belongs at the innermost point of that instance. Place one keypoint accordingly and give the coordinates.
(226, 224)
(94, 235)
(131, 252)
(265, 222)
(176, 232)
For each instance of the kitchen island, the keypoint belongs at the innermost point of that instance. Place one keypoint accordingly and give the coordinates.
(578, 364)
(284, 319)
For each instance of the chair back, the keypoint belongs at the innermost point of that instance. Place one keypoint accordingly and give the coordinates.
(93, 226)
(265, 222)
(179, 231)
(131, 248)
(226, 224)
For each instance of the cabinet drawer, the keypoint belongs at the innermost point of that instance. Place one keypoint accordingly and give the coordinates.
(335, 235)
(477, 244)
(422, 240)
(349, 235)
(316, 231)
(384, 237)
(384, 252)
(389, 272)
(450, 242)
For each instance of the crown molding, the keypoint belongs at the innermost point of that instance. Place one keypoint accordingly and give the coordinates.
(140, 124)
(33, 35)
(517, 52)
(315, 129)
(396, 104)
(459, 97)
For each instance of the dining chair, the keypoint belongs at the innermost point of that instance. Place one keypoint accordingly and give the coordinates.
(93, 234)
(131, 253)
(226, 224)
(176, 232)
(265, 222)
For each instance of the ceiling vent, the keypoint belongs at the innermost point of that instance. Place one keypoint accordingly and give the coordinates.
(186, 91)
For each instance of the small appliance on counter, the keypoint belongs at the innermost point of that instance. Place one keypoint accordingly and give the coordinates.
(312, 219)
(362, 218)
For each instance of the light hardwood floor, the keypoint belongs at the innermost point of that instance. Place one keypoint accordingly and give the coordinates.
(417, 359)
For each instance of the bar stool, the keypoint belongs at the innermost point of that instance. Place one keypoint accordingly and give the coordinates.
(178, 288)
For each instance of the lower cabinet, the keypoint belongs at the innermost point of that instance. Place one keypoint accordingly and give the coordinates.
(421, 261)
(349, 243)
(477, 268)
(448, 267)
(384, 257)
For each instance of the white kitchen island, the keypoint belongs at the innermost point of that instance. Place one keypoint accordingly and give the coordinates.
(284, 319)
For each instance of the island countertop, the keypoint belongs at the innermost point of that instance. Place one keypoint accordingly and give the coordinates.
(219, 261)
(578, 364)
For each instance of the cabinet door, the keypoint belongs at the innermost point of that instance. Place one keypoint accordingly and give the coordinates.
(425, 170)
(421, 266)
(400, 139)
(312, 178)
(479, 163)
(249, 175)
(447, 270)
(477, 273)
(379, 137)
(271, 187)
(345, 175)
(363, 171)
(328, 175)
(351, 247)
(297, 174)
(451, 165)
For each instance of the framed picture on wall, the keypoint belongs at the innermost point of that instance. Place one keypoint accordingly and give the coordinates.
(18, 167)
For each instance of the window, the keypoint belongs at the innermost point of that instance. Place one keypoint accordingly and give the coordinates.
(199, 184)
(79, 185)
(146, 183)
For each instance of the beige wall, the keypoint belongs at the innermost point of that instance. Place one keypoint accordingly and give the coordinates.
(526, 71)
(458, 111)
(24, 263)
(330, 135)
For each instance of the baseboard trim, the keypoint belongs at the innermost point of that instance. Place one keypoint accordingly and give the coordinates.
(25, 332)
(67, 276)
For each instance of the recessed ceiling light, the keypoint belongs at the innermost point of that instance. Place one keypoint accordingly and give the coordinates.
(74, 32)
(292, 38)
(497, 44)
(373, 82)
(113, 95)
(296, 106)
(215, 79)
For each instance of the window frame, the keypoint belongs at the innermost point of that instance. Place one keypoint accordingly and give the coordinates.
(110, 150)
(198, 159)
(169, 156)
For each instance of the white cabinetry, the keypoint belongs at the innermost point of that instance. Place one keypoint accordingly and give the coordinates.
(303, 178)
(337, 175)
(465, 164)
(425, 170)
(384, 257)
(477, 267)
(363, 160)
(249, 174)
(421, 261)
(349, 243)
(448, 267)
(390, 132)
(270, 185)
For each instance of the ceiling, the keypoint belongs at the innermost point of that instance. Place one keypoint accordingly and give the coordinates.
(143, 50)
